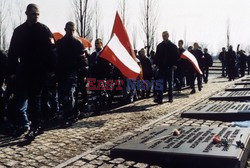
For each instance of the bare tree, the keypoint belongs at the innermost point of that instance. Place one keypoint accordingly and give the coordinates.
(122, 10)
(228, 33)
(3, 24)
(149, 23)
(20, 11)
(98, 19)
(134, 37)
(83, 14)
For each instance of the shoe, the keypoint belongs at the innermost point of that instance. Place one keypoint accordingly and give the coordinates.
(20, 131)
(158, 101)
(170, 100)
(199, 88)
(33, 133)
(193, 91)
(66, 124)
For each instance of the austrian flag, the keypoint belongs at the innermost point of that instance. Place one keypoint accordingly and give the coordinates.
(117, 54)
(191, 58)
(119, 51)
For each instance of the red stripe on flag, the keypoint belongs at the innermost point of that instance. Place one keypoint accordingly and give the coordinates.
(120, 31)
(187, 55)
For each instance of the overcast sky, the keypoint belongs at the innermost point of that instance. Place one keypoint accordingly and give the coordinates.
(203, 20)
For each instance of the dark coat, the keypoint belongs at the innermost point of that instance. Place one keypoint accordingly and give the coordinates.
(199, 56)
(231, 58)
(99, 67)
(35, 46)
(166, 55)
(208, 60)
(147, 70)
(71, 58)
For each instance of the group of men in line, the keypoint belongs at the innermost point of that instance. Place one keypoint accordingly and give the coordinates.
(43, 75)
(234, 63)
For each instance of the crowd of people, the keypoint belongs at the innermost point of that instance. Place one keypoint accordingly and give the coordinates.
(234, 64)
(41, 78)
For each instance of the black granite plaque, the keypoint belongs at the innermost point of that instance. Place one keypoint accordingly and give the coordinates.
(246, 79)
(243, 83)
(229, 111)
(193, 147)
(232, 96)
(238, 88)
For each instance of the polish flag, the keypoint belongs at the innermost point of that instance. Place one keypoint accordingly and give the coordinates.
(117, 54)
(191, 58)
(119, 51)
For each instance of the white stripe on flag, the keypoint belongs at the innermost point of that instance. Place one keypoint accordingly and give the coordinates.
(123, 55)
(192, 59)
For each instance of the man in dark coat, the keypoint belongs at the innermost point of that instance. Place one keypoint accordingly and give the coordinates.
(208, 62)
(33, 44)
(71, 60)
(199, 57)
(243, 62)
(147, 70)
(231, 63)
(223, 59)
(166, 58)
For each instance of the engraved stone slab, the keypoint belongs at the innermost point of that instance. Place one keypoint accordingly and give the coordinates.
(238, 88)
(232, 96)
(194, 147)
(229, 111)
(247, 79)
(243, 83)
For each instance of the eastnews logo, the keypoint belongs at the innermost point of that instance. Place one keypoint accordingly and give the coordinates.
(129, 84)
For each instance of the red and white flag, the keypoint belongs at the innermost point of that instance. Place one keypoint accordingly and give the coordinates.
(117, 54)
(191, 58)
(119, 51)
(120, 31)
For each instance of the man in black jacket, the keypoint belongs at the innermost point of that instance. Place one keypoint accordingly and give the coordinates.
(208, 62)
(166, 58)
(147, 70)
(223, 59)
(199, 57)
(231, 63)
(33, 44)
(71, 60)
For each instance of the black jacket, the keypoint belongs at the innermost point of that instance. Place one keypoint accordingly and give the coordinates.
(71, 58)
(199, 56)
(147, 70)
(34, 45)
(166, 55)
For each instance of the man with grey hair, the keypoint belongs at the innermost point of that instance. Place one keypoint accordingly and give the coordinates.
(31, 60)
(166, 58)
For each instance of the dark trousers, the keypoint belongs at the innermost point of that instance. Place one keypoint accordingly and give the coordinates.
(205, 74)
(168, 75)
(66, 90)
(193, 76)
(231, 72)
(224, 69)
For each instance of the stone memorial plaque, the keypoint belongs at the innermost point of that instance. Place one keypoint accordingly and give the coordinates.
(228, 112)
(243, 83)
(193, 147)
(247, 79)
(232, 96)
(238, 88)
